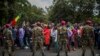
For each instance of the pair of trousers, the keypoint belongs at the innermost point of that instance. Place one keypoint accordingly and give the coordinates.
(21, 42)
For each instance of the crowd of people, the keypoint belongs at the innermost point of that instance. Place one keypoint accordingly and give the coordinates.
(64, 35)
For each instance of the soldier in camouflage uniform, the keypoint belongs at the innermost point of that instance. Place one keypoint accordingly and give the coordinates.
(8, 41)
(37, 38)
(62, 38)
(87, 39)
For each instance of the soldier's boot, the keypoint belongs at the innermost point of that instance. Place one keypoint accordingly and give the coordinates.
(10, 54)
(66, 53)
(43, 54)
(92, 52)
(58, 54)
(83, 53)
(3, 53)
(33, 51)
(33, 54)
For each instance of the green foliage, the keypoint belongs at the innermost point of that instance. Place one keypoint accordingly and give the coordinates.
(96, 19)
(9, 9)
(71, 10)
(61, 9)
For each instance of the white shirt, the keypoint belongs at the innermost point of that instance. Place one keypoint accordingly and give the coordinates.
(54, 34)
(69, 32)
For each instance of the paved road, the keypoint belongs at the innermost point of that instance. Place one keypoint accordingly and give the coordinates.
(51, 53)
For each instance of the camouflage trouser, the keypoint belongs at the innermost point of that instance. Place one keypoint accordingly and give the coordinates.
(8, 47)
(37, 41)
(86, 42)
(62, 45)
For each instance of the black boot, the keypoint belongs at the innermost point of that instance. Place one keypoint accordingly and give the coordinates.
(9, 54)
(92, 53)
(43, 54)
(83, 54)
(33, 54)
(3, 53)
(66, 53)
(58, 54)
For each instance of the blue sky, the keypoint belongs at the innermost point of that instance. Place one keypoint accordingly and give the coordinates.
(41, 3)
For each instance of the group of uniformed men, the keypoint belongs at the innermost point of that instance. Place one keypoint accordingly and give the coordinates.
(37, 38)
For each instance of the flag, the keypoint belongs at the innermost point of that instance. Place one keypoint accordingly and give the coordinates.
(14, 21)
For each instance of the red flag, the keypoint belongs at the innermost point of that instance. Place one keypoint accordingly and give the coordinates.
(13, 22)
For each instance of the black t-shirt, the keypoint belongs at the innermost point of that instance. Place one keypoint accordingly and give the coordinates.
(96, 31)
(1, 33)
(27, 32)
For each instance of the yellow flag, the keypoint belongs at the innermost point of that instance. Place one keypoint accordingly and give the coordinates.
(16, 19)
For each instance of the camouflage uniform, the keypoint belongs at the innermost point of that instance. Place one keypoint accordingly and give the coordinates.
(87, 39)
(37, 38)
(8, 42)
(62, 39)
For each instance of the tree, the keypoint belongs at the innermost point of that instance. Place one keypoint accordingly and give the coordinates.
(12, 8)
(71, 10)
(59, 10)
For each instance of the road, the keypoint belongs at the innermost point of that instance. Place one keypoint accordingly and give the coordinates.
(27, 52)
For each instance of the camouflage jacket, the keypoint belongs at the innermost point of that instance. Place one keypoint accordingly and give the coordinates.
(37, 32)
(62, 32)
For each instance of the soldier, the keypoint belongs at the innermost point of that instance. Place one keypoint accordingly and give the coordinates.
(8, 41)
(62, 39)
(87, 38)
(37, 38)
